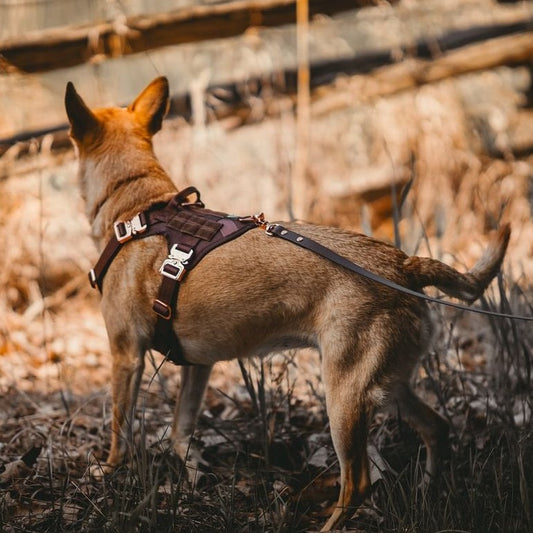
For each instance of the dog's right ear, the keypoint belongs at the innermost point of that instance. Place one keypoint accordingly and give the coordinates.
(151, 106)
(81, 118)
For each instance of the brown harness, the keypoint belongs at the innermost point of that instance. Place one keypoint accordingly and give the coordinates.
(191, 232)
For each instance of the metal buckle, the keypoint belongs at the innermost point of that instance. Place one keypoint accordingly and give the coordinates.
(137, 224)
(162, 309)
(174, 266)
(172, 269)
(92, 279)
(269, 228)
(125, 230)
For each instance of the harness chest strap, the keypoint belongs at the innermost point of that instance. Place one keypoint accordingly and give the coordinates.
(123, 232)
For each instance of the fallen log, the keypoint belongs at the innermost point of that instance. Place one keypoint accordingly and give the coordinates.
(413, 72)
(237, 99)
(67, 47)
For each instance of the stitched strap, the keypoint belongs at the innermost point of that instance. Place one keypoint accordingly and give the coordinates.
(97, 273)
(309, 244)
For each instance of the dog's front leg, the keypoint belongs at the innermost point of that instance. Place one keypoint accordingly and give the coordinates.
(127, 371)
(193, 383)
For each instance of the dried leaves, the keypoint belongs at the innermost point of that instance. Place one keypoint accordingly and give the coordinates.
(15, 471)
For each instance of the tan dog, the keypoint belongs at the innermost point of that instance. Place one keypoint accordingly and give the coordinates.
(258, 294)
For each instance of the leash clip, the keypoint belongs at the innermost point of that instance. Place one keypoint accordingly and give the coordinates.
(260, 221)
(173, 266)
(269, 228)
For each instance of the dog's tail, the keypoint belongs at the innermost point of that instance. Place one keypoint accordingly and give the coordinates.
(426, 272)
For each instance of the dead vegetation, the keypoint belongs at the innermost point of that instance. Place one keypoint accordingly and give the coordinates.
(454, 155)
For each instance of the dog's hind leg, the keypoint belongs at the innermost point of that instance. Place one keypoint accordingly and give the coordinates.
(348, 410)
(432, 427)
(193, 384)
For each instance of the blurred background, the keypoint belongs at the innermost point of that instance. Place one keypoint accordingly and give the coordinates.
(409, 120)
(412, 121)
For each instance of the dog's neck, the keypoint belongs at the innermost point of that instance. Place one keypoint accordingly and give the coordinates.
(115, 187)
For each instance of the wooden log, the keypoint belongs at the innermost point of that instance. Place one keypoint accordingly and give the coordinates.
(412, 72)
(431, 48)
(67, 47)
(236, 99)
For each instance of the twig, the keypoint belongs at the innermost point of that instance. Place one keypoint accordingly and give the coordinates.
(298, 197)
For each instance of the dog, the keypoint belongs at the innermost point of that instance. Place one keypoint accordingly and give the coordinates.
(258, 294)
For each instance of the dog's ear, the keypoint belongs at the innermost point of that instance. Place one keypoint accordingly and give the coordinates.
(81, 118)
(151, 106)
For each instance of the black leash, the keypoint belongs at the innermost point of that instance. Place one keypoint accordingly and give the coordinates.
(278, 230)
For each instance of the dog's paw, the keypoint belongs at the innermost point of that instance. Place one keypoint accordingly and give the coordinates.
(100, 470)
(192, 462)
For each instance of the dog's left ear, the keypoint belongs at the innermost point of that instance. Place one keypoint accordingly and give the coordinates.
(82, 119)
(151, 105)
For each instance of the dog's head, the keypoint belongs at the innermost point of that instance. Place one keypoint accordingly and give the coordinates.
(140, 120)
(114, 144)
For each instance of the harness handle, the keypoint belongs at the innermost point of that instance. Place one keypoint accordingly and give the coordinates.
(182, 198)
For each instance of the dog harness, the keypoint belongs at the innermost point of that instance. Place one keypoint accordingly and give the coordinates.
(191, 232)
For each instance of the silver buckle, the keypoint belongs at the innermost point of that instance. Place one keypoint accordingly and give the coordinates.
(137, 225)
(125, 230)
(174, 266)
(92, 279)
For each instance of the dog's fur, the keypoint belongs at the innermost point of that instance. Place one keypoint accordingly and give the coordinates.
(258, 294)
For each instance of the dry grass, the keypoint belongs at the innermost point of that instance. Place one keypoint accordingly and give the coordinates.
(271, 462)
